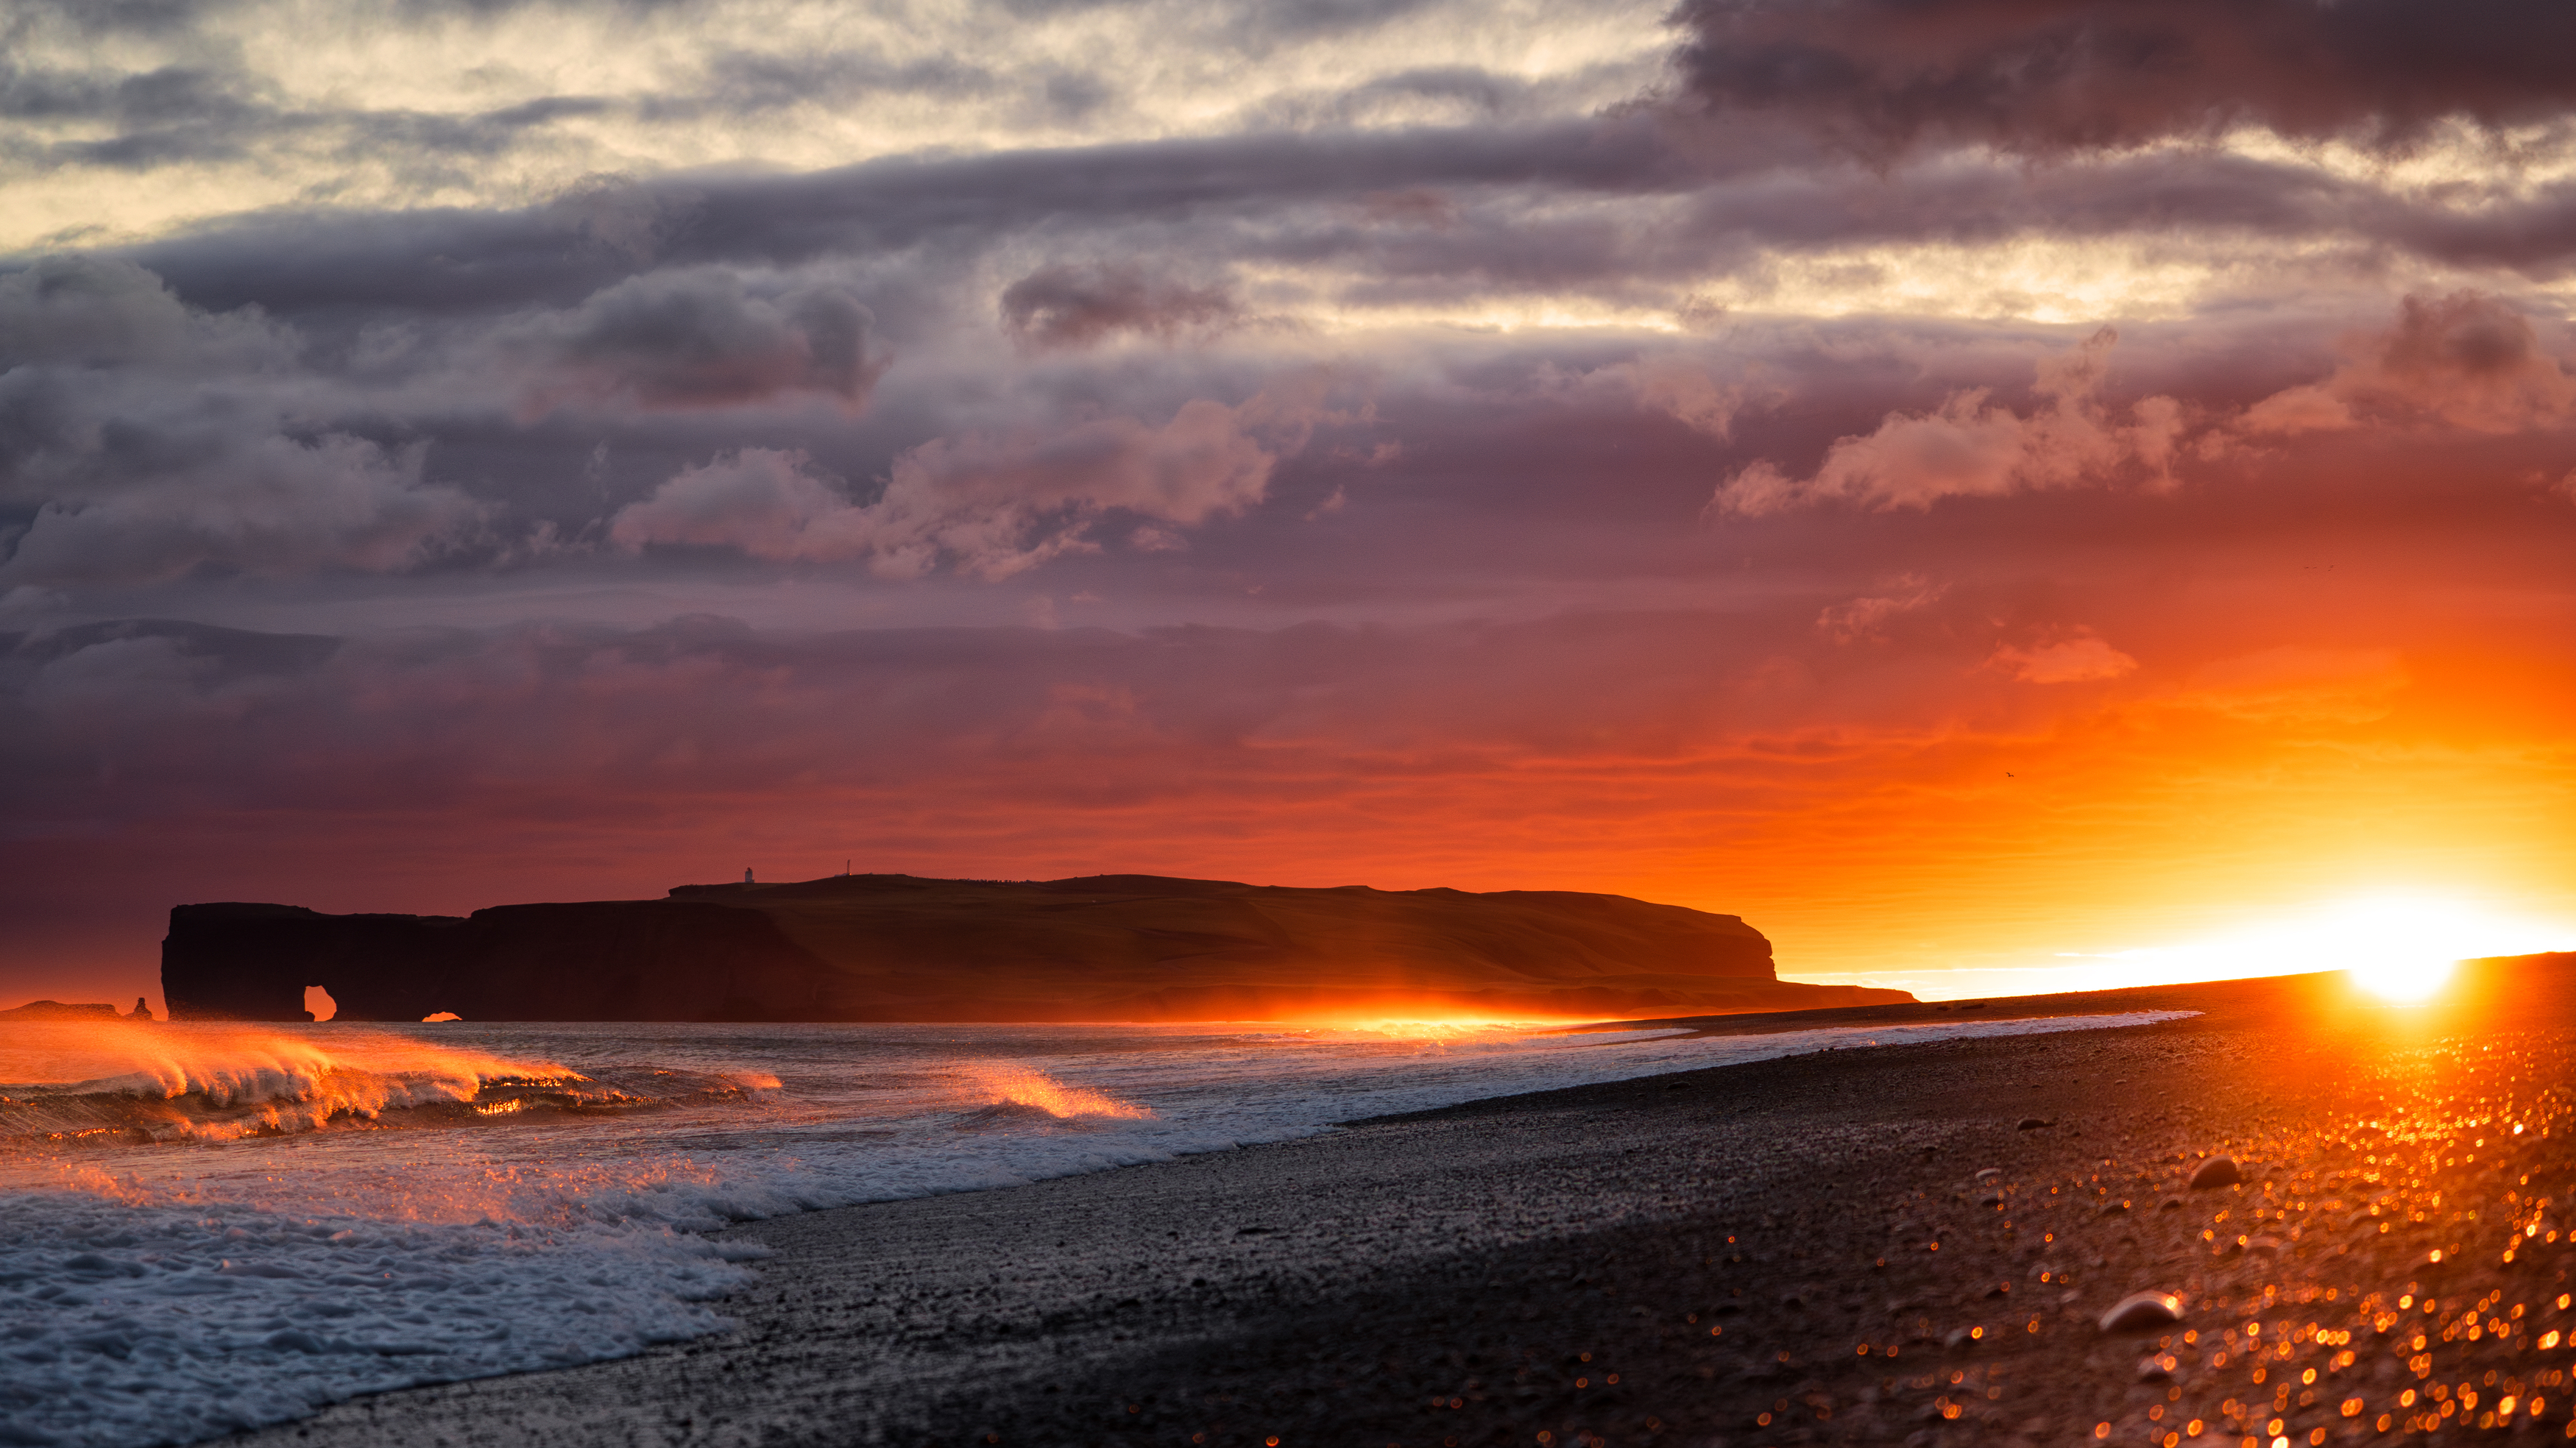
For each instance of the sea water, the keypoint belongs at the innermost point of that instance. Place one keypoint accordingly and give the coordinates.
(204, 1227)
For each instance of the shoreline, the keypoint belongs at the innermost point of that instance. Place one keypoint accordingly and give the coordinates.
(1330, 1289)
(1326, 1290)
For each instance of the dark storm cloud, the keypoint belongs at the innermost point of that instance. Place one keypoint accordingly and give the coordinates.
(160, 17)
(698, 338)
(96, 311)
(2055, 75)
(744, 82)
(1069, 306)
(441, 259)
(108, 17)
(1253, 21)
(431, 379)
(165, 94)
(1481, 89)
(213, 109)
(1518, 207)
(167, 115)
(147, 440)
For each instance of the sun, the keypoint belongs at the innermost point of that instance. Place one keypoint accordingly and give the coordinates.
(2402, 982)
(2398, 946)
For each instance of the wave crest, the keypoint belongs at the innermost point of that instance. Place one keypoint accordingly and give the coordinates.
(117, 1083)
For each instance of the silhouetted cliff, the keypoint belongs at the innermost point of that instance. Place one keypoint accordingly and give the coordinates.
(897, 948)
(617, 960)
(57, 1011)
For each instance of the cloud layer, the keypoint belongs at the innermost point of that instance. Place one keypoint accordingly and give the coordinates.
(2100, 74)
(1866, 465)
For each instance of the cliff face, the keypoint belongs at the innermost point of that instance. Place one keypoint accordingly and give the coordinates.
(897, 948)
(641, 960)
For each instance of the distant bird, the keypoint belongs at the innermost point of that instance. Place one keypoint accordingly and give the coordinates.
(2008, 774)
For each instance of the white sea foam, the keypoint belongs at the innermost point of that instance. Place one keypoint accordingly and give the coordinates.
(173, 1289)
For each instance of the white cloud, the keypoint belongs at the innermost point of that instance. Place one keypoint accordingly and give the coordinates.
(991, 505)
(1862, 619)
(1967, 447)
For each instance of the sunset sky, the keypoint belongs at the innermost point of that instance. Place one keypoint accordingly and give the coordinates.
(1988, 486)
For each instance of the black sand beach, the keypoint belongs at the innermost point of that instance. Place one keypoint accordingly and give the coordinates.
(1909, 1245)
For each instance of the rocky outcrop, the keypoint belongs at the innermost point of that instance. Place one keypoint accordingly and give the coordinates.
(899, 948)
(619, 960)
(57, 1011)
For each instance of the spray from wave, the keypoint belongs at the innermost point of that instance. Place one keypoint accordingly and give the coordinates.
(1003, 1086)
(211, 1227)
(115, 1083)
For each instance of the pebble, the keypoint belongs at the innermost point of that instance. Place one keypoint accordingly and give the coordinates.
(2032, 1123)
(2141, 1311)
(2218, 1171)
(1990, 1173)
(2155, 1367)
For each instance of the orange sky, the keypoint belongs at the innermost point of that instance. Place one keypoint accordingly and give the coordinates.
(1547, 447)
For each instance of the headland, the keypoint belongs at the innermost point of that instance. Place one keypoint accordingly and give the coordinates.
(880, 948)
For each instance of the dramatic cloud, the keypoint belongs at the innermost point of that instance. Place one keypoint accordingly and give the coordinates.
(91, 312)
(2464, 359)
(1968, 447)
(1076, 306)
(995, 505)
(698, 339)
(147, 440)
(1672, 385)
(1952, 480)
(261, 505)
(2053, 75)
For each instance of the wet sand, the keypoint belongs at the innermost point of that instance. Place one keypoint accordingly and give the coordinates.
(1797, 1251)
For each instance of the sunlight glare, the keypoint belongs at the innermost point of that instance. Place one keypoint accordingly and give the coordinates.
(2398, 947)
(1411, 1028)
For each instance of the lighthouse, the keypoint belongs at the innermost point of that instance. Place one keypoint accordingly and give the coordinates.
(746, 874)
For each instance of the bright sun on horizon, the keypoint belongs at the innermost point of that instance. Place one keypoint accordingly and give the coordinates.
(2398, 946)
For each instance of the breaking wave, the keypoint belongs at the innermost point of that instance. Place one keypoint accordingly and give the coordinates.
(109, 1084)
(207, 1228)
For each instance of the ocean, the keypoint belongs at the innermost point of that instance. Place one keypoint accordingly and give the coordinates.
(205, 1228)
